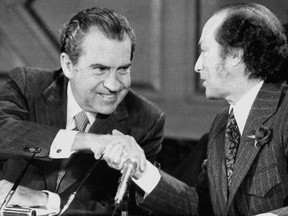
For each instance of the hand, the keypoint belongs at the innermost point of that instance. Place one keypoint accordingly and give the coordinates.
(124, 147)
(117, 148)
(23, 196)
(94, 143)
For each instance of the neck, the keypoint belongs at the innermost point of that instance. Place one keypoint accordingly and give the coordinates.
(241, 88)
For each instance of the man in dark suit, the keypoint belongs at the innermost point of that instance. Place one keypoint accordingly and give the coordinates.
(38, 109)
(242, 47)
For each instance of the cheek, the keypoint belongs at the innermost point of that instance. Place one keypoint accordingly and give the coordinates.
(126, 81)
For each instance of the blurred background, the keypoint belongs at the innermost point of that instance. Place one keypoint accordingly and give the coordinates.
(163, 68)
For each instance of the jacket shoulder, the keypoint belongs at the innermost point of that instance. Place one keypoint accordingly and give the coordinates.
(33, 74)
(33, 78)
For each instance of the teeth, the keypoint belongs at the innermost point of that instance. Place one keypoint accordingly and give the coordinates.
(107, 95)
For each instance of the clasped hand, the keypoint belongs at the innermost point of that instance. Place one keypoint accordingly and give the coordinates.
(121, 148)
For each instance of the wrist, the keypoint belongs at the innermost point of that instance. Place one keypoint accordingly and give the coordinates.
(149, 178)
(138, 174)
(82, 142)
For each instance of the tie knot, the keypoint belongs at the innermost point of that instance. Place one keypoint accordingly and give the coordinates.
(81, 121)
(231, 119)
(231, 114)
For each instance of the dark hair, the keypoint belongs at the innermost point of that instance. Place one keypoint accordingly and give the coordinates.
(112, 24)
(257, 31)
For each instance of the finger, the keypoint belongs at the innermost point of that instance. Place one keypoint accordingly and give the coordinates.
(97, 150)
(106, 152)
(142, 163)
(141, 157)
(115, 156)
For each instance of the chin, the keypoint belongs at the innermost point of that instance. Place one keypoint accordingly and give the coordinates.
(211, 96)
(107, 111)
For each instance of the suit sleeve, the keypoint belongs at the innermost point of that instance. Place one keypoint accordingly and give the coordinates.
(171, 197)
(283, 211)
(152, 141)
(16, 128)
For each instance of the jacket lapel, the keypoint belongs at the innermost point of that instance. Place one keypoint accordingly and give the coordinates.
(50, 109)
(216, 163)
(264, 106)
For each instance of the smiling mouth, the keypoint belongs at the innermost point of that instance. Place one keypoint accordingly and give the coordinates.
(107, 96)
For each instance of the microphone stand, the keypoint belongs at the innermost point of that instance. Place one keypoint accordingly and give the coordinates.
(122, 205)
(72, 196)
(19, 179)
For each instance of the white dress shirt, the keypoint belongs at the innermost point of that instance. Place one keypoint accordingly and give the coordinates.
(243, 106)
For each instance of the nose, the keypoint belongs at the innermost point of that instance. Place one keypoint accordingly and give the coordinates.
(112, 82)
(198, 65)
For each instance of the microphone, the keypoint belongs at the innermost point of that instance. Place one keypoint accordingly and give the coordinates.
(129, 169)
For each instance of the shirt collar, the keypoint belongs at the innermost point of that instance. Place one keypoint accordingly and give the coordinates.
(243, 106)
(73, 109)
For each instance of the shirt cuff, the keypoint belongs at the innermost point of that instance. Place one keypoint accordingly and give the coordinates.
(149, 179)
(54, 202)
(61, 146)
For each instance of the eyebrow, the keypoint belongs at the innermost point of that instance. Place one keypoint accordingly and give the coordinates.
(125, 66)
(99, 66)
(107, 67)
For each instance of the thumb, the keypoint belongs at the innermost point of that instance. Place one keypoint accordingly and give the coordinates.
(116, 132)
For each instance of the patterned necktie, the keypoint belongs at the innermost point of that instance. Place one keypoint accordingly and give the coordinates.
(232, 140)
(81, 122)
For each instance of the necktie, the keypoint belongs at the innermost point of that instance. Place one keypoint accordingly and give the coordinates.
(232, 140)
(81, 122)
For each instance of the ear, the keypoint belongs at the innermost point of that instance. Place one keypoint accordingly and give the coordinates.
(67, 65)
(236, 57)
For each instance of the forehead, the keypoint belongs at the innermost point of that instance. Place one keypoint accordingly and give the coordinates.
(208, 32)
(97, 43)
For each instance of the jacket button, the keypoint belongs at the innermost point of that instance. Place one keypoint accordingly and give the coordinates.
(32, 149)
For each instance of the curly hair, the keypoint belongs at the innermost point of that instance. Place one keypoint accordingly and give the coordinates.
(112, 24)
(257, 31)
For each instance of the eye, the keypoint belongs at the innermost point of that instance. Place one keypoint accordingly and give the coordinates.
(124, 70)
(99, 69)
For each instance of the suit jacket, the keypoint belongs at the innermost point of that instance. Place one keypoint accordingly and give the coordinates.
(260, 178)
(190, 168)
(33, 110)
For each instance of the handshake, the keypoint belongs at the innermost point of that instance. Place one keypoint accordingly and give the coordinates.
(116, 149)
